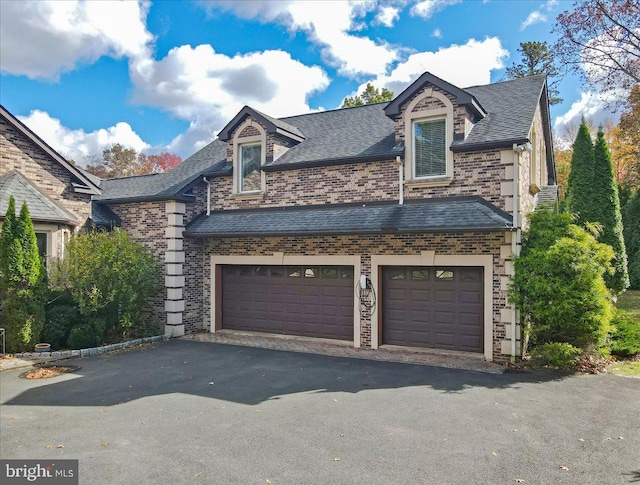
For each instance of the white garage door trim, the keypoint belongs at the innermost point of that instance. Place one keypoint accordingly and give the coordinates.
(282, 259)
(430, 258)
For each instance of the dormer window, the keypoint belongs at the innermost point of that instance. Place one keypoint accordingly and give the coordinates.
(429, 148)
(428, 121)
(250, 176)
(249, 154)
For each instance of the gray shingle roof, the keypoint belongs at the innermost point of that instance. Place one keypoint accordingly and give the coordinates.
(102, 216)
(363, 131)
(434, 215)
(41, 207)
(350, 135)
(511, 107)
(210, 159)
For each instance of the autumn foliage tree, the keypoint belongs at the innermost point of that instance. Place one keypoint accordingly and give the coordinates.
(120, 161)
(600, 41)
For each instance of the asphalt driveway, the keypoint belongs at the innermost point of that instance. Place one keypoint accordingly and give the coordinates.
(193, 412)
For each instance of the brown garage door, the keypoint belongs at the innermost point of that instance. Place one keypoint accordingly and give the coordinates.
(312, 301)
(433, 307)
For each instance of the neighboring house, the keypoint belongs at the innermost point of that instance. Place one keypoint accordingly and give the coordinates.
(385, 224)
(58, 194)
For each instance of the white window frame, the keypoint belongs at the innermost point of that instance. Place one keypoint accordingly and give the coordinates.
(238, 142)
(414, 176)
(411, 117)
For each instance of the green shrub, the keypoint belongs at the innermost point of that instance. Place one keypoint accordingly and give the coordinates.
(110, 275)
(558, 284)
(625, 340)
(560, 355)
(60, 320)
(89, 334)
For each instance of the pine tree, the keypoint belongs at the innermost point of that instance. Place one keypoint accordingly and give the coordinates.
(580, 191)
(606, 211)
(22, 280)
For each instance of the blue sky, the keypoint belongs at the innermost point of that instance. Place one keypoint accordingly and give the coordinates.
(168, 75)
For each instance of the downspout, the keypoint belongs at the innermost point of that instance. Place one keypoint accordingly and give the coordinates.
(208, 195)
(400, 180)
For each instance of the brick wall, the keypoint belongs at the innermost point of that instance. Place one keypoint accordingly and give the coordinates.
(146, 222)
(478, 173)
(194, 264)
(409, 244)
(17, 152)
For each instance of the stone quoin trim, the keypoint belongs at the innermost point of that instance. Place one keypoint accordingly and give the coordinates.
(174, 258)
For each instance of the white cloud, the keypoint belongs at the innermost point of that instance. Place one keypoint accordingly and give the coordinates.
(387, 16)
(77, 144)
(427, 8)
(591, 106)
(41, 39)
(437, 33)
(534, 17)
(208, 88)
(328, 25)
(461, 65)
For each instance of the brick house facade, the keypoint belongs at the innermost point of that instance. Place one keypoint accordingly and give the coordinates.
(385, 224)
(57, 193)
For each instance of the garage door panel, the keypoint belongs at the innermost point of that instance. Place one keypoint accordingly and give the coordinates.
(314, 301)
(433, 307)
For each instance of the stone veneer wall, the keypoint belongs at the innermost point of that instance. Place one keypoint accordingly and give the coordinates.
(17, 152)
(495, 244)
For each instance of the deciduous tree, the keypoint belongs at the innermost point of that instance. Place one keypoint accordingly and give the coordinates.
(120, 161)
(600, 40)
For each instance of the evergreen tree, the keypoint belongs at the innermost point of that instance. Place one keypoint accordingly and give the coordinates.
(22, 280)
(7, 252)
(631, 222)
(370, 95)
(606, 212)
(580, 192)
(537, 59)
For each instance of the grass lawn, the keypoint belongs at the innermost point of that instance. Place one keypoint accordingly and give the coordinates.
(629, 301)
(626, 368)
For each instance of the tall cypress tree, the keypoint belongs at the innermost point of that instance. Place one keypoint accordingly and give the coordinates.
(22, 280)
(607, 213)
(8, 253)
(579, 198)
(631, 223)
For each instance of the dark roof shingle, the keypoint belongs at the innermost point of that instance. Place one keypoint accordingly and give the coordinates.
(41, 207)
(470, 213)
(349, 135)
